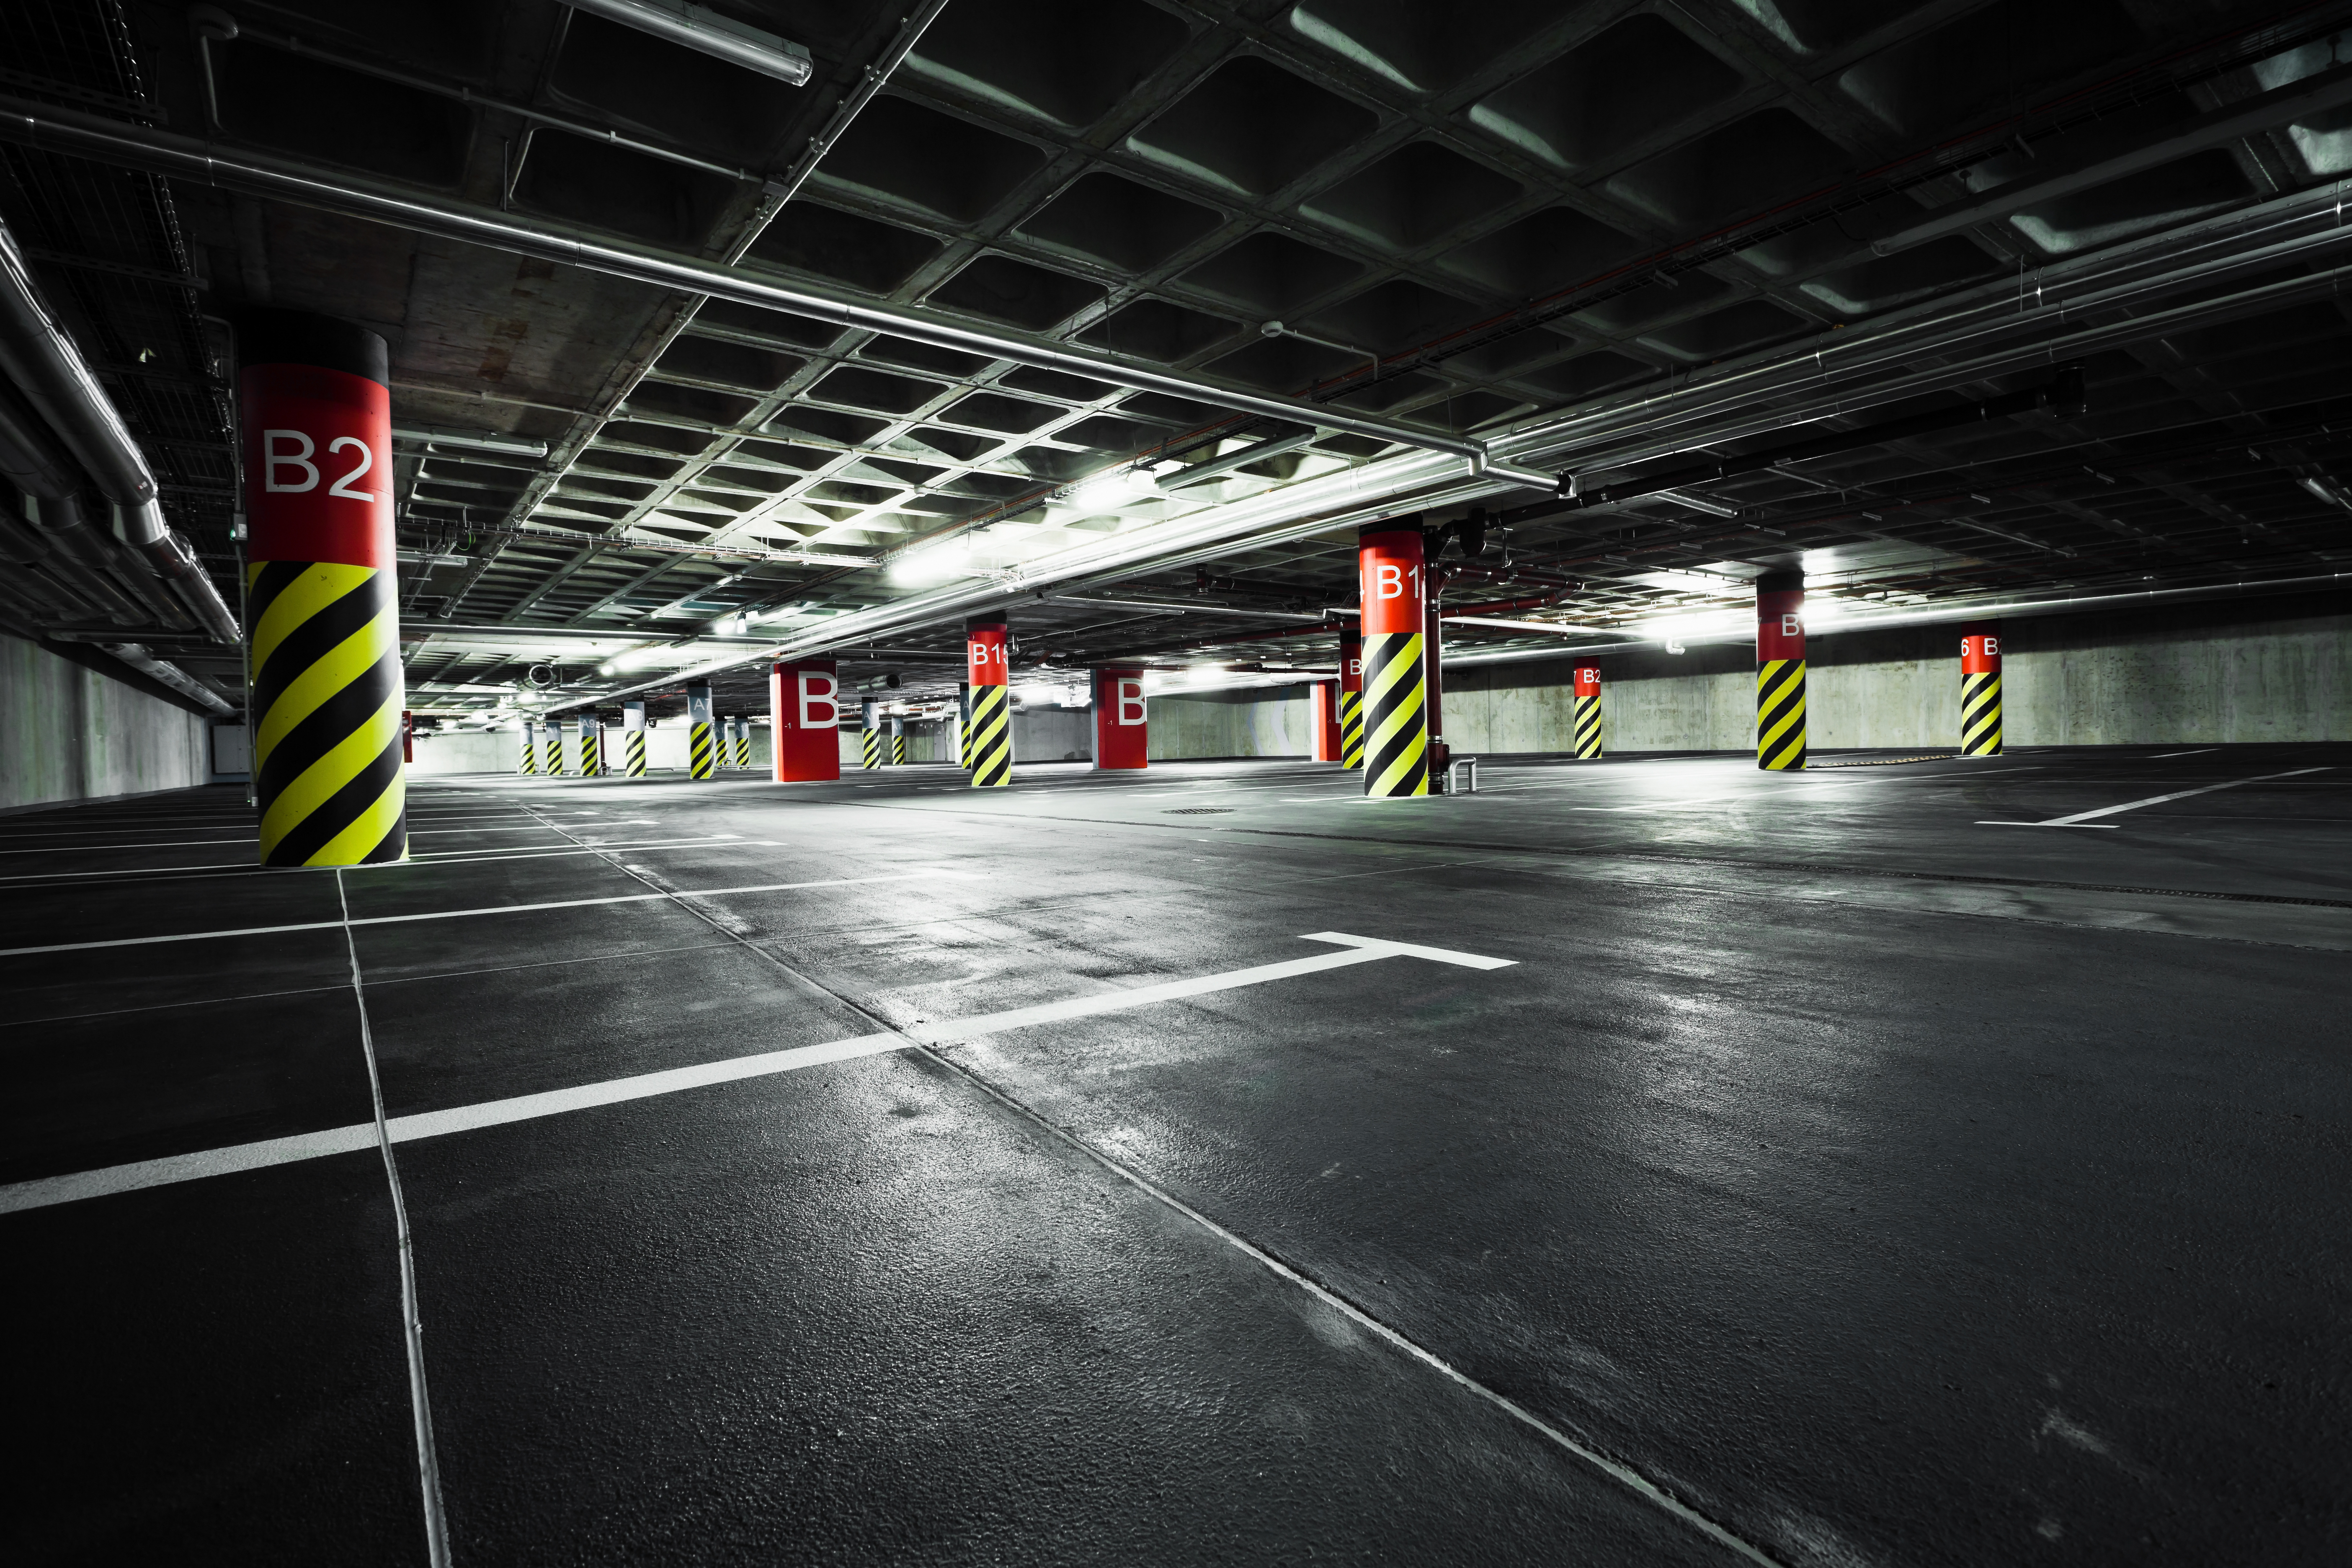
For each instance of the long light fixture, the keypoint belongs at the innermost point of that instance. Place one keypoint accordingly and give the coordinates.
(707, 32)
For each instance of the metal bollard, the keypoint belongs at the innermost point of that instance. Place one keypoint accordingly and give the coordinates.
(1462, 776)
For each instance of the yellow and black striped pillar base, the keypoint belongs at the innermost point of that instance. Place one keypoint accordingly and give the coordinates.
(633, 753)
(963, 744)
(869, 748)
(529, 755)
(1396, 717)
(898, 748)
(992, 737)
(1351, 729)
(1980, 715)
(743, 747)
(551, 750)
(1588, 729)
(592, 751)
(701, 752)
(328, 692)
(1781, 714)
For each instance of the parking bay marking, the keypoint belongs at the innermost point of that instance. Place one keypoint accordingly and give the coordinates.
(2082, 818)
(360, 1137)
(466, 914)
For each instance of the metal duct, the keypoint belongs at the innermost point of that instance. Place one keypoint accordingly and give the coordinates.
(283, 179)
(39, 355)
(82, 556)
(171, 675)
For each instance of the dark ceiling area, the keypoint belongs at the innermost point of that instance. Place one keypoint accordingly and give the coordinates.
(1957, 303)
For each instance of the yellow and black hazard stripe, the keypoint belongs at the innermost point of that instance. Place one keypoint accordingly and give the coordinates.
(1980, 715)
(898, 748)
(1351, 729)
(869, 748)
(552, 739)
(963, 742)
(1588, 728)
(1781, 714)
(633, 753)
(530, 752)
(992, 737)
(701, 755)
(327, 686)
(591, 748)
(743, 743)
(1396, 716)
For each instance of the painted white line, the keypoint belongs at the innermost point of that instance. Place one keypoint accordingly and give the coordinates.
(95, 848)
(2201, 751)
(469, 914)
(2082, 818)
(535, 826)
(53, 1190)
(438, 857)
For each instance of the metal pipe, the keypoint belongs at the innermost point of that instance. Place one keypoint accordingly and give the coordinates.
(2296, 100)
(40, 357)
(432, 436)
(2269, 238)
(222, 27)
(2062, 394)
(281, 179)
(707, 32)
(1274, 446)
(1178, 608)
(170, 675)
(83, 558)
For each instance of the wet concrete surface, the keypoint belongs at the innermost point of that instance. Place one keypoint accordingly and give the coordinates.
(1828, 1178)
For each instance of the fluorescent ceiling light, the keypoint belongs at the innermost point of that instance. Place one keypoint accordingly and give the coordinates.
(1516, 626)
(1110, 489)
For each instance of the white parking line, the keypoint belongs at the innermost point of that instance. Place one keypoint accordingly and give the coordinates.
(53, 1190)
(2201, 751)
(2082, 818)
(468, 914)
(433, 858)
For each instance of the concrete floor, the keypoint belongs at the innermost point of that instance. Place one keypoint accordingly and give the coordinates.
(1743, 1167)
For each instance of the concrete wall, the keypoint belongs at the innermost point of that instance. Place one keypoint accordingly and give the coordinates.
(2272, 670)
(73, 735)
(1267, 721)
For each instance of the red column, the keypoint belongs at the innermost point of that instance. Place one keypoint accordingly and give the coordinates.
(1433, 664)
(322, 617)
(992, 704)
(1351, 698)
(1394, 592)
(804, 720)
(1781, 670)
(1122, 736)
(1585, 687)
(1980, 688)
(1323, 720)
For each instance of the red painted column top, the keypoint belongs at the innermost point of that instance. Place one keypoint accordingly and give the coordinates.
(1980, 648)
(985, 647)
(1780, 617)
(1394, 588)
(1587, 679)
(318, 465)
(1351, 659)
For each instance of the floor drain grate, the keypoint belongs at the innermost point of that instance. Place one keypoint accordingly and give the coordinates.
(1196, 810)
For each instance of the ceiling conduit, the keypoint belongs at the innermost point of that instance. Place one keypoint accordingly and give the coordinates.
(49, 370)
(280, 179)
